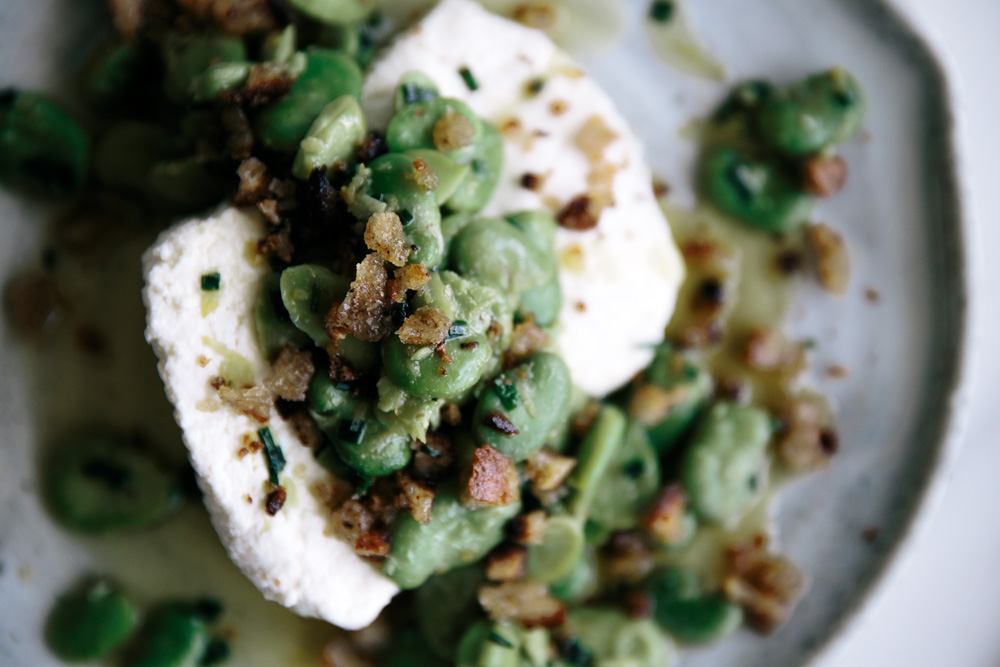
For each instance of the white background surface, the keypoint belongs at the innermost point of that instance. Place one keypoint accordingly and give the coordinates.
(940, 605)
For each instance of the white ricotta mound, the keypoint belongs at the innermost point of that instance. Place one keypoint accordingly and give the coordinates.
(619, 280)
(289, 557)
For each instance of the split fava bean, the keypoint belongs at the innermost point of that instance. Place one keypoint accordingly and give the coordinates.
(544, 301)
(42, 149)
(413, 87)
(327, 76)
(455, 536)
(187, 57)
(537, 405)
(275, 328)
(393, 180)
(560, 551)
(172, 637)
(683, 610)
(449, 173)
(100, 483)
(90, 622)
(725, 467)
(308, 292)
(366, 444)
(333, 137)
(422, 372)
(629, 483)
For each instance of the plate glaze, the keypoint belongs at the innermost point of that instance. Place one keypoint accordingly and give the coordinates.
(900, 216)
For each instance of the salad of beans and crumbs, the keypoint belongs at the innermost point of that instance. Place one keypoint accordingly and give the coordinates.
(410, 339)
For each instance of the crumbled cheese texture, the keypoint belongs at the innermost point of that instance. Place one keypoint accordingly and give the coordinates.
(291, 557)
(619, 279)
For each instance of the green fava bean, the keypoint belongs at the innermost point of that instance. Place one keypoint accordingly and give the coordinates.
(628, 485)
(580, 582)
(448, 604)
(392, 180)
(366, 444)
(90, 622)
(279, 47)
(335, 11)
(499, 254)
(308, 292)
(490, 644)
(486, 165)
(186, 184)
(612, 638)
(455, 536)
(725, 467)
(675, 372)
(413, 87)
(560, 550)
(333, 137)
(187, 57)
(542, 303)
(763, 193)
(173, 637)
(42, 149)
(100, 484)
(421, 372)
(221, 78)
(534, 397)
(539, 227)
(450, 174)
(815, 114)
(597, 452)
(330, 399)
(699, 620)
(275, 329)
(110, 71)
(328, 75)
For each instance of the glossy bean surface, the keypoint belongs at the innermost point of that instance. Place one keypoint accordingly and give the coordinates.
(308, 292)
(172, 637)
(629, 483)
(392, 181)
(333, 137)
(90, 622)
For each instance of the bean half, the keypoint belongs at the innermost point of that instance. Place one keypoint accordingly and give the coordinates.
(90, 622)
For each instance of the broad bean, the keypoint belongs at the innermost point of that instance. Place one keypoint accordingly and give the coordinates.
(762, 192)
(413, 87)
(330, 399)
(335, 11)
(327, 76)
(413, 127)
(333, 137)
(683, 610)
(534, 397)
(99, 483)
(814, 114)
(580, 582)
(448, 604)
(725, 467)
(90, 622)
(110, 71)
(597, 452)
(611, 637)
(221, 78)
(308, 292)
(42, 149)
(539, 227)
(490, 644)
(275, 329)
(172, 637)
(542, 303)
(560, 550)
(499, 254)
(629, 483)
(450, 174)
(366, 444)
(455, 536)
(684, 375)
(392, 181)
(187, 57)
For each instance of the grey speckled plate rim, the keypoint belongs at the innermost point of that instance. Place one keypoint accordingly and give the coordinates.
(955, 324)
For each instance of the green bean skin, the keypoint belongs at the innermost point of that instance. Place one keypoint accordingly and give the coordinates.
(428, 376)
(671, 370)
(725, 467)
(543, 394)
(413, 87)
(327, 398)
(275, 329)
(173, 637)
(308, 292)
(455, 536)
(90, 622)
(187, 57)
(611, 637)
(364, 443)
(498, 254)
(43, 151)
(335, 11)
(542, 303)
(391, 180)
(327, 76)
(628, 485)
(538, 226)
(763, 193)
(448, 604)
(333, 137)
(814, 114)
(412, 127)
(98, 483)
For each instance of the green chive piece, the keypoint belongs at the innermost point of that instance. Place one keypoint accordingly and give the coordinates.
(210, 282)
(497, 638)
(634, 468)
(506, 392)
(470, 81)
(272, 452)
(661, 11)
(458, 329)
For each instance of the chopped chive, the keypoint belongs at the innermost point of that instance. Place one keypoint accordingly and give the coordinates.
(457, 329)
(634, 468)
(272, 452)
(478, 166)
(351, 432)
(690, 372)
(431, 452)
(535, 86)
(413, 93)
(470, 81)
(405, 216)
(506, 392)
(314, 299)
(574, 653)
(661, 11)
(497, 638)
(210, 282)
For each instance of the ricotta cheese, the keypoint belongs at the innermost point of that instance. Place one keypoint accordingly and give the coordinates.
(291, 557)
(620, 279)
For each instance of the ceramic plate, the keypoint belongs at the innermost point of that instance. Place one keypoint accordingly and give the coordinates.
(900, 331)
